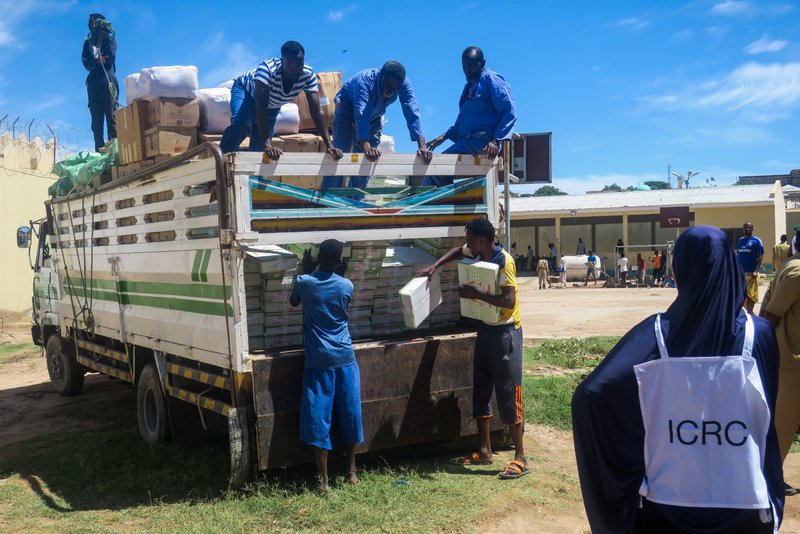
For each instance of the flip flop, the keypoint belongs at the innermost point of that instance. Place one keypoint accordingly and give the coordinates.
(515, 469)
(473, 459)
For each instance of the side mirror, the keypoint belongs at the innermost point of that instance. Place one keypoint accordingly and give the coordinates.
(23, 237)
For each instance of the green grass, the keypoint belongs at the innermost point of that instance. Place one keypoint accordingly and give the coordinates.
(107, 480)
(11, 352)
(572, 353)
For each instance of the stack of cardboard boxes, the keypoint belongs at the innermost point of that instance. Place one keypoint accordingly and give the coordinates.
(154, 127)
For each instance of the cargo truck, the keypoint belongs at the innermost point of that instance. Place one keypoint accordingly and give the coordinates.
(176, 279)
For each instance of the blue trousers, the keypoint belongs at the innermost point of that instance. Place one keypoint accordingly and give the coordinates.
(344, 138)
(462, 146)
(326, 392)
(244, 121)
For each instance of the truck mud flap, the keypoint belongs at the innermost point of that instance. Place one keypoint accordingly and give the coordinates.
(412, 392)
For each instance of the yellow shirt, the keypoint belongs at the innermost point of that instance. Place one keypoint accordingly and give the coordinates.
(506, 277)
(783, 300)
(780, 253)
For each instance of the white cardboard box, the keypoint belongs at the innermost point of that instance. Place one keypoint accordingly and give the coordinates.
(419, 298)
(482, 275)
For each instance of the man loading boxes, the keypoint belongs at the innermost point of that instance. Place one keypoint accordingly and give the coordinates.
(498, 348)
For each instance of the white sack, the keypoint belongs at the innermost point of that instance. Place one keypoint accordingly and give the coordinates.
(135, 88)
(177, 81)
(215, 109)
(288, 120)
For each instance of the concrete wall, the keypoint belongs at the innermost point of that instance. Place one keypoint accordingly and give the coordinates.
(24, 178)
(762, 217)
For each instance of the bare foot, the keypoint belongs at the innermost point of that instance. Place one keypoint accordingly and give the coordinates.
(322, 485)
(352, 478)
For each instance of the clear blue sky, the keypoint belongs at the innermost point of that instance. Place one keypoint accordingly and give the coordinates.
(627, 88)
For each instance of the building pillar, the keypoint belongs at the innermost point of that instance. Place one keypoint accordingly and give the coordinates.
(624, 230)
(558, 234)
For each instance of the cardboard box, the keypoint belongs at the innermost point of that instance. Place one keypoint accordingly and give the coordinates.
(301, 142)
(173, 112)
(419, 298)
(131, 124)
(173, 141)
(483, 276)
(329, 84)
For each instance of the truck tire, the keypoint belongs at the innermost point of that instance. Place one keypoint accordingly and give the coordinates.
(66, 374)
(151, 407)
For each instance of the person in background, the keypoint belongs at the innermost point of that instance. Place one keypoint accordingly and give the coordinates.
(331, 377)
(498, 348)
(674, 429)
(257, 97)
(529, 259)
(620, 247)
(514, 254)
(562, 271)
(657, 272)
(641, 268)
(543, 270)
(781, 307)
(780, 253)
(358, 120)
(592, 263)
(622, 267)
(750, 252)
(486, 115)
(553, 256)
(581, 250)
(99, 57)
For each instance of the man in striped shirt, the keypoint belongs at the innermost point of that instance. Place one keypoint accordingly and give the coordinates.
(358, 119)
(257, 97)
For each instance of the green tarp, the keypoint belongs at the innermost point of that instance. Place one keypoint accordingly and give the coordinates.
(79, 169)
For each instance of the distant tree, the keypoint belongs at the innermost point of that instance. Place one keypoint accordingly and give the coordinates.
(630, 188)
(612, 187)
(548, 191)
(658, 184)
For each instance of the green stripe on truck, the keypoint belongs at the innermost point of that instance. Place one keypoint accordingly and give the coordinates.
(166, 303)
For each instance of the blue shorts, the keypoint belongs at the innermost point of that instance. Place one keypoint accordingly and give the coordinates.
(329, 391)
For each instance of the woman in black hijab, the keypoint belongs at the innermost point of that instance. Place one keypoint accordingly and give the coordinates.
(616, 461)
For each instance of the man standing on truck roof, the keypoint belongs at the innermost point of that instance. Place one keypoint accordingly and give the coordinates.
(486, 114)
(257, 97)
(99, 57)
(360, 106)
(331, 379)
(498, 347)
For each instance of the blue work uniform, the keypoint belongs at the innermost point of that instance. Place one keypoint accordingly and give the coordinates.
(360, 106)
(486, 113)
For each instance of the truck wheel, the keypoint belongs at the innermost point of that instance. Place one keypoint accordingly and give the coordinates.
(66, 374)
(151, 407)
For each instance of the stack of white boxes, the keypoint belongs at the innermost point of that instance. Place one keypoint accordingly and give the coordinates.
(449, 311)
(397, 269)
(271, 319)
(483, 276)
(363, 269)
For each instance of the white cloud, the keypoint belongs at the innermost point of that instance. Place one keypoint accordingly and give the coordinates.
(16, 12)
(730, 7)
(49, 103)
(633, 22)
(767, 91)
(338, 15)
(238, 59)
(764, 44)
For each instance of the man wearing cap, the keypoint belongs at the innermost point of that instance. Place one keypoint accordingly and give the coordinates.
(750, 252)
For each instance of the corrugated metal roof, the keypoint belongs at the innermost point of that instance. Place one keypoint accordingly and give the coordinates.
(645, 200)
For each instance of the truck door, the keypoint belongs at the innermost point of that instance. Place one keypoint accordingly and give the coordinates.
(45, 282)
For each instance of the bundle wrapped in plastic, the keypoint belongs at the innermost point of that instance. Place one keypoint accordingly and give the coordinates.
(136, 87)
(288, 120)
(79, 169)
(177, 81)
(215, 109)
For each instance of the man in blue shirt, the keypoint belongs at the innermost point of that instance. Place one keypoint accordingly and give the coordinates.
(360, 106)
(750, 252)
(486, 114)
(257, 97)
(331, 379)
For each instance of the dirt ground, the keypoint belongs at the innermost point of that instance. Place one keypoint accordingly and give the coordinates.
(29, 404)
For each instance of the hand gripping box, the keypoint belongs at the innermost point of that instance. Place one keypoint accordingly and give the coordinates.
(419, 298)
(483, 276)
